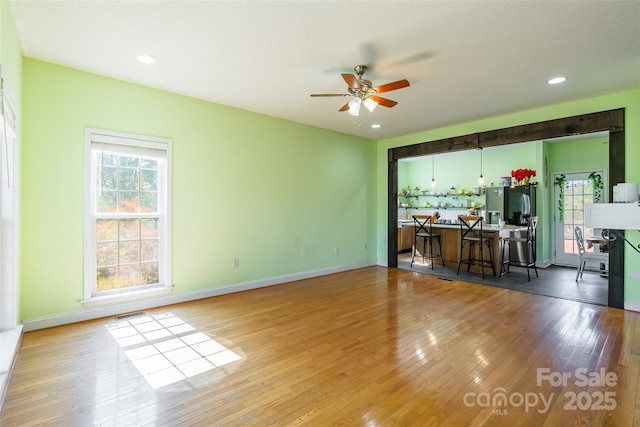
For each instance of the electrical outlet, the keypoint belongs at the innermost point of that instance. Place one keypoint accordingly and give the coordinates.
(236, 262)
(337, 251)
(635, 275)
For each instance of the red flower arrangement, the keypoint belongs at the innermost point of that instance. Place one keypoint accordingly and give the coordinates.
(520, 174)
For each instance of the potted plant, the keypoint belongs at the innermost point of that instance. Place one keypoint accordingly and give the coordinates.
(561, 180)
(596, 180)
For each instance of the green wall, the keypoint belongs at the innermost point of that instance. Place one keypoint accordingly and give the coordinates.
(462, 169)
(583, 154)
(278, 195)
(630, 100)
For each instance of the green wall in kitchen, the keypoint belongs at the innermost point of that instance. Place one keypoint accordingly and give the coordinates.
(462, 169)
(629, 100)
(582, 154)
(278, 195)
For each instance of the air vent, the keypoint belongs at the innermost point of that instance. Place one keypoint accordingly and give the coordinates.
(130, 315)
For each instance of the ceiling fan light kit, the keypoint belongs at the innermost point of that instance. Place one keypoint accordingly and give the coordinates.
(370, 104)
(363, 92)
(354, 106)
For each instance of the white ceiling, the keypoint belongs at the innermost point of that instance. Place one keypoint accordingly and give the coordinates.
(465, 60)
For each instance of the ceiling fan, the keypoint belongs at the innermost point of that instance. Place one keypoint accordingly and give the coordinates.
(363, 92)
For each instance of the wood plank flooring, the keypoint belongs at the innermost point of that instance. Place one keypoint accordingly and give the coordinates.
(369, 347)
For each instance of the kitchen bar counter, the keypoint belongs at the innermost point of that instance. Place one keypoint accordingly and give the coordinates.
(450, 237)
(504, 231)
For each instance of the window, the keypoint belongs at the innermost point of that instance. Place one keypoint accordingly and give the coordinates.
(8, 211)
(127, 242)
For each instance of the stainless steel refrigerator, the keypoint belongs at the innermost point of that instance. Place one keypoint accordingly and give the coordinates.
(513, 205)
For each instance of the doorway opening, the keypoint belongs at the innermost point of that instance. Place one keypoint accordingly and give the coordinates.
(611, 121)
(572, 191)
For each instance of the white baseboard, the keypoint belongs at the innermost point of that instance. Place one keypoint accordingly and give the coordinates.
(632, 306)
(9, 342)
(111, 310)
(543, 263)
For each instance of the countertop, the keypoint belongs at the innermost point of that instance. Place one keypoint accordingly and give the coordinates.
(486, 227)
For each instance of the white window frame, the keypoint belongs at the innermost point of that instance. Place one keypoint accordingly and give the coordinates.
(128, 144)
(9, 192)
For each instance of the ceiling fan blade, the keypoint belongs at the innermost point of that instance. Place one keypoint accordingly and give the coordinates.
(345, 107)
(384, 101)
(392, 86)
(329, 94)
(352, 81)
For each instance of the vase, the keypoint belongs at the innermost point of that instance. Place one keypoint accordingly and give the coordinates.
(524, 181)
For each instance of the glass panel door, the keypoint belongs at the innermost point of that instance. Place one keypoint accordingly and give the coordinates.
(571, 192)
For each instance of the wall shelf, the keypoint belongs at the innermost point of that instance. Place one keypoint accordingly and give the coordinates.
(463, 208)
(439, 195)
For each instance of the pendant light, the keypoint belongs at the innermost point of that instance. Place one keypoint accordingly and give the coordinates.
(433, 179)
(481, 178)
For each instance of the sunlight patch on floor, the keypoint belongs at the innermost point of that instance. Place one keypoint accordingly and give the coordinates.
(165, 349)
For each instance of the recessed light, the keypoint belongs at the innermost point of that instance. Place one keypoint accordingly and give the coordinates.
(375, 126)
(146, 59)
(557, 80)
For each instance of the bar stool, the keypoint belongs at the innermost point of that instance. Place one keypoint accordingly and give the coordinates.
(471, 234)
(529, 240)
(424, 230)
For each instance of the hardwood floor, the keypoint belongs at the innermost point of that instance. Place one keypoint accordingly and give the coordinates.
(369, 347)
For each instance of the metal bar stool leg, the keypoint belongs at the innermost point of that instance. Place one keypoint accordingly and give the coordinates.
(424, 247)
(431, 251)
(505, 263)
(481, 257)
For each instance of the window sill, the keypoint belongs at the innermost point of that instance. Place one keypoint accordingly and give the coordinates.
(126, 297)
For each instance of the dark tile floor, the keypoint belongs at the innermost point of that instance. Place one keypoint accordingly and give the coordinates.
(554, 281)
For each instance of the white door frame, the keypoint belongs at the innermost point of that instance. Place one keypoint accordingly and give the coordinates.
(563, 231)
